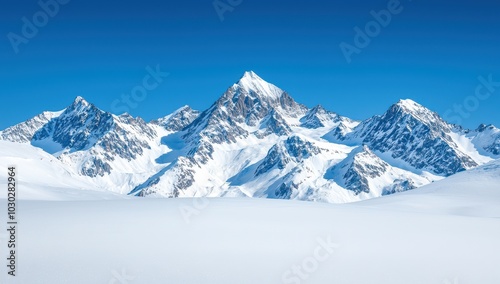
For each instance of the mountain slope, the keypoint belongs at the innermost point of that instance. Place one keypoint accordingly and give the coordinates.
(364, 172)
(318, 117)
(178, 119)
(92, 139)
(251, 108)
(474, 193)
(487, 139)
(23, 132)
(257, 141)
(413, 134)
(41, 176)
(278, 164)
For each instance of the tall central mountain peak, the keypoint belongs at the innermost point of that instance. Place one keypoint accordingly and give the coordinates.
(80, 100)
(245, 107)
(409, 105)
(255, 85)
(252, 90)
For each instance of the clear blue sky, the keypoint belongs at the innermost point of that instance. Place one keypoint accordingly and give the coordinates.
(431, 52)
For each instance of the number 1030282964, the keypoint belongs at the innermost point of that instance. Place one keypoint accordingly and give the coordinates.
(11, 193)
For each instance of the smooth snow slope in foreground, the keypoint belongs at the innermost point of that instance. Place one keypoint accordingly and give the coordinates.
(447, 232)
(474, 193)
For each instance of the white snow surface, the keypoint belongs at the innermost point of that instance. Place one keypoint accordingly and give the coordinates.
(446, 232)
(251, 82)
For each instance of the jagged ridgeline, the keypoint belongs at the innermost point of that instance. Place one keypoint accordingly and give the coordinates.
(257, 141)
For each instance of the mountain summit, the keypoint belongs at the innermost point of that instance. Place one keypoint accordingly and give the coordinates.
(252, 84)
(93, 138)
(252, 106)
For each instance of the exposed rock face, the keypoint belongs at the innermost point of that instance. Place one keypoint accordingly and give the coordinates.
(86, 135)
(23, 132)
(249, 107)
(399, 186)
(318, 117)
(415, 135)
(358, 167)
(292, 149)
(487, 138)
(178, 120)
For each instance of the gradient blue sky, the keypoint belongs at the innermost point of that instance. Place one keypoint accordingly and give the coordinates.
(432, 52)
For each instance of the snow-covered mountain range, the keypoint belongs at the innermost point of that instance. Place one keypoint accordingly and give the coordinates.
(254, 141)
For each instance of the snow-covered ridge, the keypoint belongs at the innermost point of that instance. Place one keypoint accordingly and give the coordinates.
(257, 141)
(416, 135)
(179, 119)
(24, 131)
